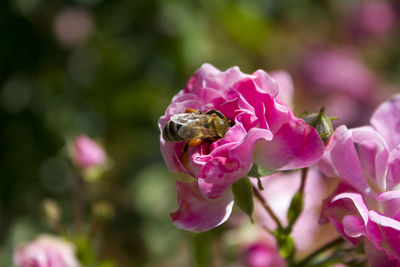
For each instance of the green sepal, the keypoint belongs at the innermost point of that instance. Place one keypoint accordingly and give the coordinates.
(243, 194)
(321, 122)
(258, 171)
(295, 209)
(259, 184)
(285, 244)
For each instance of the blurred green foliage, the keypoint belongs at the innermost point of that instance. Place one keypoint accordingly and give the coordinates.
(111, 77)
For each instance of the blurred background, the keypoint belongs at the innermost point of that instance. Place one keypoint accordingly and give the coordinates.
(108, 69)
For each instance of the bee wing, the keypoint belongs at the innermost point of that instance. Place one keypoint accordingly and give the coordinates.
(189, 132)
(197, 129)
(208, 133)
(186, 118)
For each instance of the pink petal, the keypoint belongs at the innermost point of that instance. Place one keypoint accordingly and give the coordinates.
(390, 230)
(345, 159)
(285, 85)
(261, 254)
(388, 195)
(344, 202)
(294, 145)
(171, 153)
(87, 153)
(379, 158)
(229, 163)
(197, 213)
(393, 175)
(353, 226)
(357, 201)
(386, 121)
(207, 76)
(266, 83)
(377, 257)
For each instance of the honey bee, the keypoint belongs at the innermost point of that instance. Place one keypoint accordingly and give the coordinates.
(196, 127)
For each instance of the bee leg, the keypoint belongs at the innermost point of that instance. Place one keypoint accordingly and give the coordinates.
(192, 110)
(195, 142)
(185, 148)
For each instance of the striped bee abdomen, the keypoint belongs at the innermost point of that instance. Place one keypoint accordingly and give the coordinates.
(170, 132)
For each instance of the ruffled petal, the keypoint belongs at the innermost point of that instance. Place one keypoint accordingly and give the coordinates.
(345, 159)
(393, 175)
(345, 202)
(386, 121)
(197, 213)
(378, 258)
(285, 83)
(294, 145)
(373, 153)
(390, 230)
(208, 76)
(229, 163)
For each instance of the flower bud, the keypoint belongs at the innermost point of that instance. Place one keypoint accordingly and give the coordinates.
(51, 211)
(103, 210)
(321, 122)
(86, 153)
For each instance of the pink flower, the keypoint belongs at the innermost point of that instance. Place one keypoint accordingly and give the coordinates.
(265, 131)
(261, 254)
(260, 247)
(366, 205)
(73, 26)
(278, 192)
(373, 19)
(86, 153)
(46, 251)
(336, 71)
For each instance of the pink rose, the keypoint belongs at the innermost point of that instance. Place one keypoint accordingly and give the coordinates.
(265, 131)
(373, 19)
(86, 153)
(46, 251)
(278, 192)
(366, 205)
(260, 247)
(336, 71)
(260, 254)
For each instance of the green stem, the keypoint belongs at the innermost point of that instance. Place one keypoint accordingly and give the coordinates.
(79, 204)
(310, 257)
(297, 203)
(304, 173)
(267, 207)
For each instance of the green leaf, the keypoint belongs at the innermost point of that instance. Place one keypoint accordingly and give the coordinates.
(295, 209)
(243, 194)
(285, 244)
(84, 250)
(258, 171)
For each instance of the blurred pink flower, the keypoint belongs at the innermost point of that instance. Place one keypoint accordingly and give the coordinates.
(86, 153)
(336, 71)
(278, 192)
(260, 248)
(366, 205)
(46, 251)
(260, 254)
(72, 26)
(264, 126)
(372, 19)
